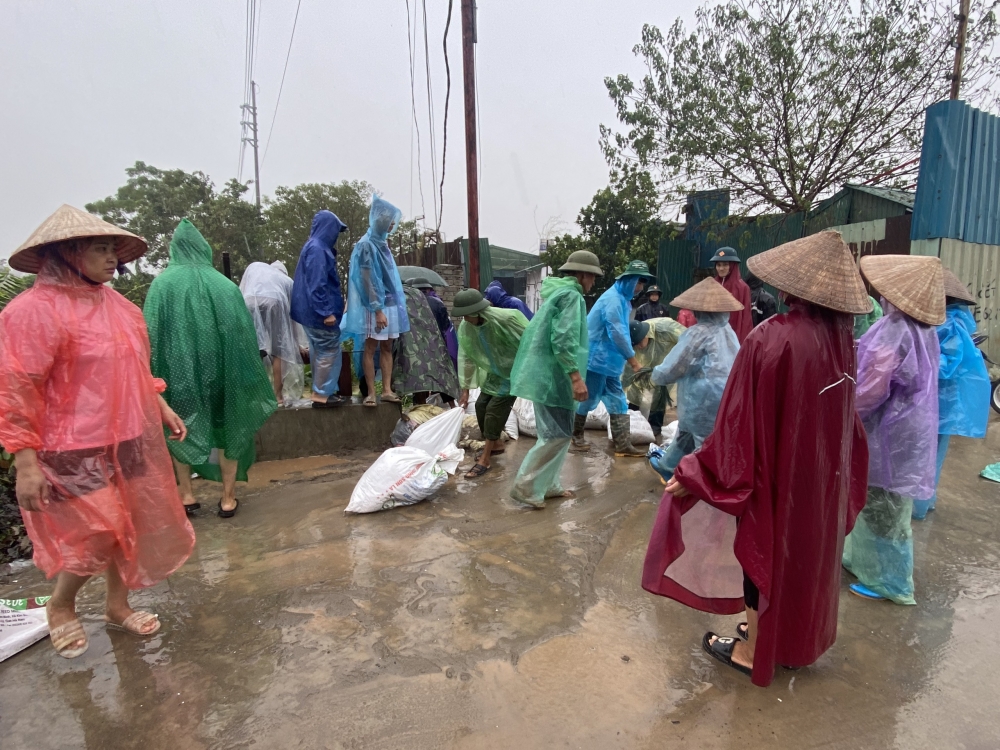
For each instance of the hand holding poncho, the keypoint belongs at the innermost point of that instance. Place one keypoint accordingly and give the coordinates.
(553, 345)
(963, 381)
(75, 386)
(898, 361)
(607, 327)
(205, 346)
(486, 352)
(700, 365)
(374, 280)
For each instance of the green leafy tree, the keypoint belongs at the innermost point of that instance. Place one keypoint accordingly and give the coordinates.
(785, 100)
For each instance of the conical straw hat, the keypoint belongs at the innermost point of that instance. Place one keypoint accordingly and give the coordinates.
(913, 283)
(708, 295)
(953, 287)
(819, 269)
(69, 223)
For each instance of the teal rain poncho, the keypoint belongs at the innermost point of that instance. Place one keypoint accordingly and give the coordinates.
(374, 282)
(205, 347)
(553, 345)
(663, 336)
(863, 322)
(486, 352)
(700, 365)
(607, 326)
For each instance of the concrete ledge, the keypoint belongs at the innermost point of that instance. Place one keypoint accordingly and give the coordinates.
(296, 433)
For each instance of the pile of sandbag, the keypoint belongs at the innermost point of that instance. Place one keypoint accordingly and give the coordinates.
(639, 428)
(410, 420)
(407, 474)
(22, 622)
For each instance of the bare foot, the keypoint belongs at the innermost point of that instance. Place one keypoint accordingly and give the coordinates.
(188, 500)
(742, 655)
(228, 503)
(557, 495)
(58, 615)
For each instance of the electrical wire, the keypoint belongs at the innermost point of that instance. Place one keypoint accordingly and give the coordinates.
(444, 145)
(281, 86)
(410, 41)
(430, 110)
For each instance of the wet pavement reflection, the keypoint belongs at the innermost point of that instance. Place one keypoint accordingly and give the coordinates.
(470, 622)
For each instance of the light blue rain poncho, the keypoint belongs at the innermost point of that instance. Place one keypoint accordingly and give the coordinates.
(963, 390)
(607, 329)
(700, 364)
(374, 281)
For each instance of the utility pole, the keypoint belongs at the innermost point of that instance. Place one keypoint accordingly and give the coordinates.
(252, 106)
(963, 22)
(471, 170)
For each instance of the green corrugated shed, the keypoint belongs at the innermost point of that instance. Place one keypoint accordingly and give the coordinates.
(485, 262)
(505, 259)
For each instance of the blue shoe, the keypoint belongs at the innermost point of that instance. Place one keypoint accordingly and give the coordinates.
(654, 457)
(859, 589)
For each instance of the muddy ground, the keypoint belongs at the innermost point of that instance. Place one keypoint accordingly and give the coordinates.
(469, 622)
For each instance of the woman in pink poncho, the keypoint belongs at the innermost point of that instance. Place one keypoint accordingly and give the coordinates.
(83, 417)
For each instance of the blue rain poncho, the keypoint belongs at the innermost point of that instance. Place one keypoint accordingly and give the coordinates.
(498, 297)
(700, 365)
(963, 381)
(607, 329)
(316, 292)
(374, 280)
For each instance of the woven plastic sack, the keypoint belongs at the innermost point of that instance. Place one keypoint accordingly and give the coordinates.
(402, 476)
(525, 411)
(22, 622)
(639, 428)
(668, 434)
(473, 398)
(423, 412)
(598, 418)
(511, 427)
(438, 434)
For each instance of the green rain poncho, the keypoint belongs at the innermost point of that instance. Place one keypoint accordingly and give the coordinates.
(863, 322)
(663, 334)
(205, 347)
(553, 345)
(486, 352)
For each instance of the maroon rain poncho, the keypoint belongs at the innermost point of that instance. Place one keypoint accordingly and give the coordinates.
(740, 321)
(788, 458)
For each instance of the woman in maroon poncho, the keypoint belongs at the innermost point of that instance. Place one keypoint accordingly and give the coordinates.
(727, 273)
(788, 460)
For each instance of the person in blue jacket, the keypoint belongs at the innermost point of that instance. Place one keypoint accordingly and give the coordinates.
(610, 349)
(497, 296)
(318, 306)
(963, 381)
(376, 305)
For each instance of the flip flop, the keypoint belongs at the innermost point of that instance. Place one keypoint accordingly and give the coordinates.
(135, 623)
(228, 513)
(721, 649)
(859, 589)
(743, 631)
(561, 495)
(477, 471)
(391, 398)
(189, 510)
(369, 401)
(67, 634)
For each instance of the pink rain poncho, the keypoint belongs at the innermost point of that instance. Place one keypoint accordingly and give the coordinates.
(75, 385)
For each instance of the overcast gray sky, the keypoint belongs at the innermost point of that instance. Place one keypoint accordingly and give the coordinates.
(90, 86)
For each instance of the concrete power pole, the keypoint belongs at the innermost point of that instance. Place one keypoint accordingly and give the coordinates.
(254, 141)
(963, 22)
(471, 165)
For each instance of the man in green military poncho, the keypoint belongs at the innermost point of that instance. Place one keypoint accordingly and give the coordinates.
(550, 371)
(651, 348)
(205, 347)
(488, 339)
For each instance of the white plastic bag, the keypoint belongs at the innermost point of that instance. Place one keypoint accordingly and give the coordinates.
(470, 408)
(402, 476)
(640, 430)
(525, 411)
(22, 622)
(511, 427)
(438, 433)
(598, 418)
(668, 434)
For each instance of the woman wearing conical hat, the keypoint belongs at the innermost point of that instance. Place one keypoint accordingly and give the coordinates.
(700, 365)
(787, 460)
(81, 413)
(898, 361)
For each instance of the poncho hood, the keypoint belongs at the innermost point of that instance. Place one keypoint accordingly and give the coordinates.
(383, 219)
(189, 246)
(326, 229)
(553, 284)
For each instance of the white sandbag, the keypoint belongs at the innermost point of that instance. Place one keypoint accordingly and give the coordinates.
(525, 411)
(598, 418)
(22, 622)
(668, 434)
(640, 430)
(470, 408)
(402, 476)
(511, 427)
(438, 433)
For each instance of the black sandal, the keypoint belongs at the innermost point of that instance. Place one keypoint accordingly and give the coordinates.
(189, 510)
(228, 513)
(743, 631)
(721, 649)
(477, 471)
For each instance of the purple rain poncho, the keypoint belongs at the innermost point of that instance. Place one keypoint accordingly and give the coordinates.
(897, 399)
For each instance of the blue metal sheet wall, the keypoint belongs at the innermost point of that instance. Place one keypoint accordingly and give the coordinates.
(958, 187)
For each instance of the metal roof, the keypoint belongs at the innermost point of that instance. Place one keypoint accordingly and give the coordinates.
(903, 197)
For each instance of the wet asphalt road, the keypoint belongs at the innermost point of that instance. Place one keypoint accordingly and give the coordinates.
(469, 622)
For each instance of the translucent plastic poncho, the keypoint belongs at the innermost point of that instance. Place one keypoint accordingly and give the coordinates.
(267, 290)
(607, 326)
(205, 347)
(486, 352)
(553, 345)
(700, 364)
(963, 381)
(374, 279)
(75, 386)
(898, 362)
(664, 334)
(863, 322)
